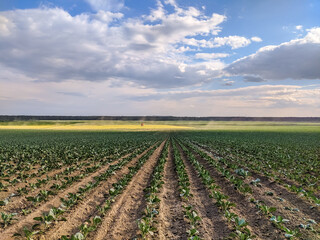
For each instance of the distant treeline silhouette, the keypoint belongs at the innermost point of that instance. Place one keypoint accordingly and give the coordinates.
(157, 118)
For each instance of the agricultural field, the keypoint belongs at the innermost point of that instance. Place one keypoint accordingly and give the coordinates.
(194, 180)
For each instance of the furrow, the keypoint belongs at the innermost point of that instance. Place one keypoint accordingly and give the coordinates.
(120, 222)
(260, 225)
(212, 225)
(88, 206)
(297, 202)
(171, 216)
(29, 221)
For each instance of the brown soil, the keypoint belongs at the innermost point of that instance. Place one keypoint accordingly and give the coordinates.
(291, 197)
(212, 225)
(88, 206)
(121, 220)
(260, 225)
(19, 202)
(299, 202)
(54, 202)
(171, 217)
(13, 189)
(295, 217)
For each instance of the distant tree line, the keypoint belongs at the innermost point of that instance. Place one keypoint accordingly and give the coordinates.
(4, 118)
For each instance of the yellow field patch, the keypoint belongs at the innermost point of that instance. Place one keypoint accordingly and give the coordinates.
(94, 127)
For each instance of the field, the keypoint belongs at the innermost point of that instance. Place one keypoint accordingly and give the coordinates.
(164, 180)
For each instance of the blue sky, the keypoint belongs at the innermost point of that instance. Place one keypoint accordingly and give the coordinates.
(164, 57)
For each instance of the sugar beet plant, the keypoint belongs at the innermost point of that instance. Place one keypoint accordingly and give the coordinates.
(289, 233)
(117, 188)
(185, 193)
(278, 155)
(264, 208)
(148, 221)
(73, 198)
(241, 231)
(25, 155)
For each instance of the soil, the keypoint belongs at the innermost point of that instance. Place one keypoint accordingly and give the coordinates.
(171, 217)
(28, 221)
(121, 221)
(260, 225)
(213, 225)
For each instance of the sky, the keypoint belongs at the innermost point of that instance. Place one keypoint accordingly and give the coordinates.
(160, 57)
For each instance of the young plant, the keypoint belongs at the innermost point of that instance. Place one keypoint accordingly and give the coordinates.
(7, 218)
(28, 234)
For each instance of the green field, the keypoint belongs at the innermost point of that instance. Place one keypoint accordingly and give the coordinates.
(221, 180)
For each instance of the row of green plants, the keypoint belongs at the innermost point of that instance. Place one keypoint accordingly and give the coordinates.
(43, 195)
(117, 188)
(282, 156)
(73, 199)
(147, 223)
(25, 155)
(81, 169)
(224, 163)
(278, 221)
(185, 193)
(69, 176)
(232, 162)
(241, 231)
(289, 233)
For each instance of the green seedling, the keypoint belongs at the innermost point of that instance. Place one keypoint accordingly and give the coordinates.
(7, 218)
(28, 234)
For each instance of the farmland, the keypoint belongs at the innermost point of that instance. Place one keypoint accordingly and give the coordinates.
(169, 180)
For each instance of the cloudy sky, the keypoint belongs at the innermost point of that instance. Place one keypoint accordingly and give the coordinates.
(160, 57)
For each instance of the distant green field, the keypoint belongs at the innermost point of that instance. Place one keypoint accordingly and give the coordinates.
(105, 163)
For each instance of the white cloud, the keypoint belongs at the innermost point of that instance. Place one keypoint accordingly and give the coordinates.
(297, 59)
(256, 39)
(208, 56)
(233, 41)
(106, 5)
(49, 44)
(55, 63)
(115, 98)
(264, 100)
(299, 27)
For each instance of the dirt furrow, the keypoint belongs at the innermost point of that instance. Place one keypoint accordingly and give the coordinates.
(212, 225)
(54, 202)
(293, 198)
(284, 208)
(20, 202)
(290, 197)
(263, 193)
(121, 221)
(260, 224)
(88, 206)
(13, 189)
(171, 216)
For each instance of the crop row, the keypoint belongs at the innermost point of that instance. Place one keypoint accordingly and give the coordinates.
(147, 223)
(237, 177)
(185, 192)
(117, 188)
(240, 225)
(73, 198)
